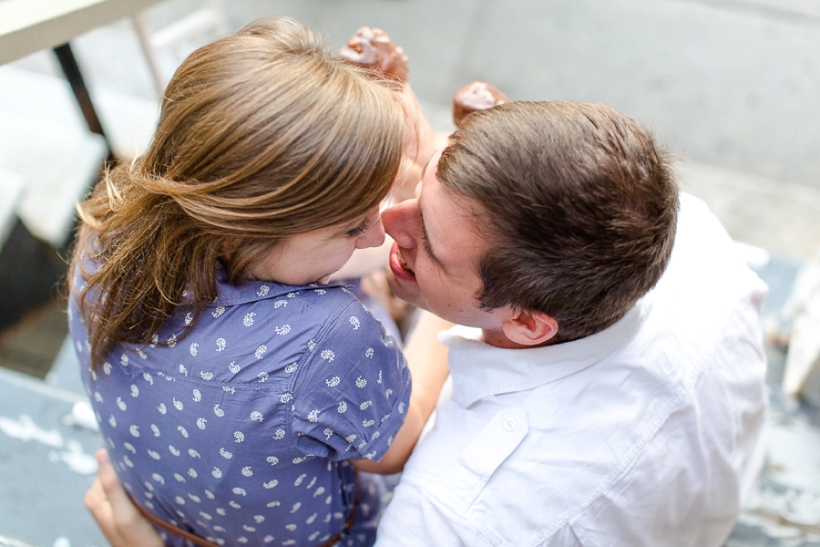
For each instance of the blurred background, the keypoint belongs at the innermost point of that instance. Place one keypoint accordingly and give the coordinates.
(732, 87)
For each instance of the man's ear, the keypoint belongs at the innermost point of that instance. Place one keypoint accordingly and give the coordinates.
(529, 328)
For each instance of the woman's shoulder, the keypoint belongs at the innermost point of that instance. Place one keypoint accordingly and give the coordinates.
(272, 302)
(269, 293)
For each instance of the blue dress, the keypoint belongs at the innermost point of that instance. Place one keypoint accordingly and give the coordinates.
(240, 431)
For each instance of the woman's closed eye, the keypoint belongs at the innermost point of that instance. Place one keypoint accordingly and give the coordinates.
(359, 230)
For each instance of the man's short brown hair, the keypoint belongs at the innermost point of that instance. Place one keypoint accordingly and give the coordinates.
(577, 203)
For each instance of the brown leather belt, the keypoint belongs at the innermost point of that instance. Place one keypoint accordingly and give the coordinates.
(201, 542)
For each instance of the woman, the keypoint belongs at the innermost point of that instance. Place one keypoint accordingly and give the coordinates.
(237, 391)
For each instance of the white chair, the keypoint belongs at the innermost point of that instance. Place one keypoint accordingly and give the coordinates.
(167, 47)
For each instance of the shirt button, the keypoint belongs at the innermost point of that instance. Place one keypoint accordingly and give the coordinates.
(509, 423)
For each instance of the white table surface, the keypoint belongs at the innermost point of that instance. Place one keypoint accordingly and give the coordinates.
(27, 26)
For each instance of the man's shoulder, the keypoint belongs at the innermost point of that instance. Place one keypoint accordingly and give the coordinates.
(706, 308)
(705, 267)
(522, 466)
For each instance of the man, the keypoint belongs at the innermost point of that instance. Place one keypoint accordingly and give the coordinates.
(589, 409)
(611, 389)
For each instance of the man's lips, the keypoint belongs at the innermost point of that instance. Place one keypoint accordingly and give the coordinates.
(398, 266)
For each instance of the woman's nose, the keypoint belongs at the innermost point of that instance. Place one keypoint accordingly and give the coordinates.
(373, 236)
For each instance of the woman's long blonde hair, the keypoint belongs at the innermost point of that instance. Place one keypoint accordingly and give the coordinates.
(262, 135)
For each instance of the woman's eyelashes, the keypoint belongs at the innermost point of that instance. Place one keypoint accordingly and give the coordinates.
(360, 229)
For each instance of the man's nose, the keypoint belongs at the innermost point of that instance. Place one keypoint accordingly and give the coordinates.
(398, 223)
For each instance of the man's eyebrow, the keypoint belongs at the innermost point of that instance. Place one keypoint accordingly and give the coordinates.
(426, 241)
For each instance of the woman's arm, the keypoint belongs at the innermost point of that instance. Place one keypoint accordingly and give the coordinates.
(427, 360)
(420, 145)
(115, 513)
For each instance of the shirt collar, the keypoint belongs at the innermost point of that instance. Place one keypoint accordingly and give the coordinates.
(251, 291)
(480, 370)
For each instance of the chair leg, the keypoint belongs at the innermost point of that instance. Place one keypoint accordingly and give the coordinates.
(150, 54)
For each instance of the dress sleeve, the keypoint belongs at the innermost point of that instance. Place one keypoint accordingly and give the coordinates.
(351, 394)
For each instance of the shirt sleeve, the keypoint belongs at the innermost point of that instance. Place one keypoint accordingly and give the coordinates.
(414, 518)
(351, 395)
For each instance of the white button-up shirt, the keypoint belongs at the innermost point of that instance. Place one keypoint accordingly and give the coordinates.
(645, 434)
